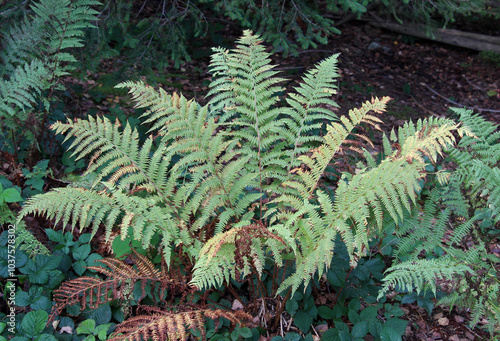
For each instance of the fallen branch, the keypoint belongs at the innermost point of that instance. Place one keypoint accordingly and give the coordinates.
(474, 41)
(458, 104)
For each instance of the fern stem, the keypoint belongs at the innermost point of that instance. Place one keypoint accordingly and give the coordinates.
(39, 136)
(235, 294)
(14, 145)
(281, 308)
(257, 130)
(340, 291)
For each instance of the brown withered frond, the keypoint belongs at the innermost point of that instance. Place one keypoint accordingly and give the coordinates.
(171, 326)
(90, 292)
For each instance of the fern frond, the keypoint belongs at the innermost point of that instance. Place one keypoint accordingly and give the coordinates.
(424, 231)
(172, 326)
(360, 198)
(54, 27)
(85, 208)
(246, 84)
(244, 95)
(224, 255)
(428, 137)
(333, 140)
(65, 22)
(409, 276)
(310, 106)
(91, 292)
(117, 155)
(19, 44)
(22, 89)
(28, 242)
(215, 168)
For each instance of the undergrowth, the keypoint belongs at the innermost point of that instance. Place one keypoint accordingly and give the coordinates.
(266, 197)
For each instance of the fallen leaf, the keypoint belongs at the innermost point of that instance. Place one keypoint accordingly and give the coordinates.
(321, 328)
(443, 321)
(237, 305)
(66, 329)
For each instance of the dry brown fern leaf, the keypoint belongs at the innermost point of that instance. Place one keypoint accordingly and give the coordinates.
(171, 326)
(90, 292)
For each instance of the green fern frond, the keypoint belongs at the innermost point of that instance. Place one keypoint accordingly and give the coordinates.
(423, 231)
(116, 155)
(65, 22)
(54, 27)
(359, 198)
(244, 97)
(333, 140)
(21, 91)
(428, 137)
(417, 274)
(245, 85)
(84, 208)
(310, 106)
(28, 242)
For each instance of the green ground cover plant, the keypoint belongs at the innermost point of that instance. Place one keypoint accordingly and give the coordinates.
(273, 195)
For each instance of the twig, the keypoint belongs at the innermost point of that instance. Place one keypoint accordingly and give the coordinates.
(322, 51)
(473, 332)
(458, 104)
(473, 85)
(289, 68)
(423, 108)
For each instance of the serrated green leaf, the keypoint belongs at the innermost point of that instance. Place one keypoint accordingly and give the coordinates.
(360, 329)
(291, 306)
(55, 236)
(86, 327)
(375, 328)
(303, 321)
(121, 247)
(81, 252)
(326, 312)
(336, 277)
(39, 269)
(101, 315)
(368, 313)
(79, 267)
(102, 331)
(389, 334)
(245, 332)
(85, 238)
(292, 337)
(34, 323)
(397, 324)
(353, 316)
(46, 337)
(11, 195)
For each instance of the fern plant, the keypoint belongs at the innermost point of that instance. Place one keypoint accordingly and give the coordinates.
(122, 281)
(241, 180)
(452, 216)
(35, 53)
